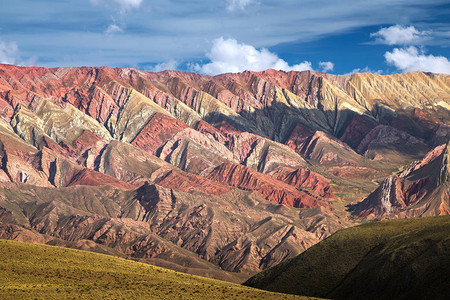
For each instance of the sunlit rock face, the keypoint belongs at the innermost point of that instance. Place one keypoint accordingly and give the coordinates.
(422, 189)
(211, 175)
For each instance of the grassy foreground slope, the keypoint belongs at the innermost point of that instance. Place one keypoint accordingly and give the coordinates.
(401, 259)
(30, 271)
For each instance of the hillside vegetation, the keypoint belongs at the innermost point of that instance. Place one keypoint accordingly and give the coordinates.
(32, 271)
(401, 259)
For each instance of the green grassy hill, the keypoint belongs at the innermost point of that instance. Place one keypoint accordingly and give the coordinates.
(401, 259)
(33, 271)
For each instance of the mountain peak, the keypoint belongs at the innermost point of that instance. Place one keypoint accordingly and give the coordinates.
(244, 170)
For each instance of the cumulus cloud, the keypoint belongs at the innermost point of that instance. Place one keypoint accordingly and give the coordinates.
(128, 4)
(233, 5)
(10, 54)
(411, 59)
(113, 28)
(366, 69)
(229, 56)
(168, 65)
(123, 8)
(399, 35)
(326, 66)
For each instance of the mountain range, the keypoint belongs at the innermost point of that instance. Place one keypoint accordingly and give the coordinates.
(221, 176)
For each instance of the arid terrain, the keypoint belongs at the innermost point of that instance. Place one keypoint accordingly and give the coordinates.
(221, 176)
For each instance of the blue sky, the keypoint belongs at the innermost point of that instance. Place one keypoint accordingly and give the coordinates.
(220, 36)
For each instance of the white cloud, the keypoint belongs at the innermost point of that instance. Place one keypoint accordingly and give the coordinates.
(168, 65)
(366, 69)
(233, 5)
(130, 3)
(399, 35)
(162, 29)
(123, 3)
(229, 56)
(411, 59)
(326, 66)
(113, 28)
(122, 11)
(10, 54)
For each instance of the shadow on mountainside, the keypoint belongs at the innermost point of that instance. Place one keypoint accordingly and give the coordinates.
(357, 151)
(408, 134)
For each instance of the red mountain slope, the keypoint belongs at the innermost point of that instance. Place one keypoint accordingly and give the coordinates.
(234, 172)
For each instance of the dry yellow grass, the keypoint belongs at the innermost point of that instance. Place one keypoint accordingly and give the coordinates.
(32, 271)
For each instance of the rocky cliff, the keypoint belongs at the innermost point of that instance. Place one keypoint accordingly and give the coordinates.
(422, 189)
(194, 232)
(234, 172)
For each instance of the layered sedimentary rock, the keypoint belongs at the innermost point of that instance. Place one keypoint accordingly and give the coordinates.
(156, 132)
(202, 170)
(422, 189)
(387, 143)
(306, 180)
(267, 103)
(273, 190)
(328, 150)
(93, 178)
(185, 231)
